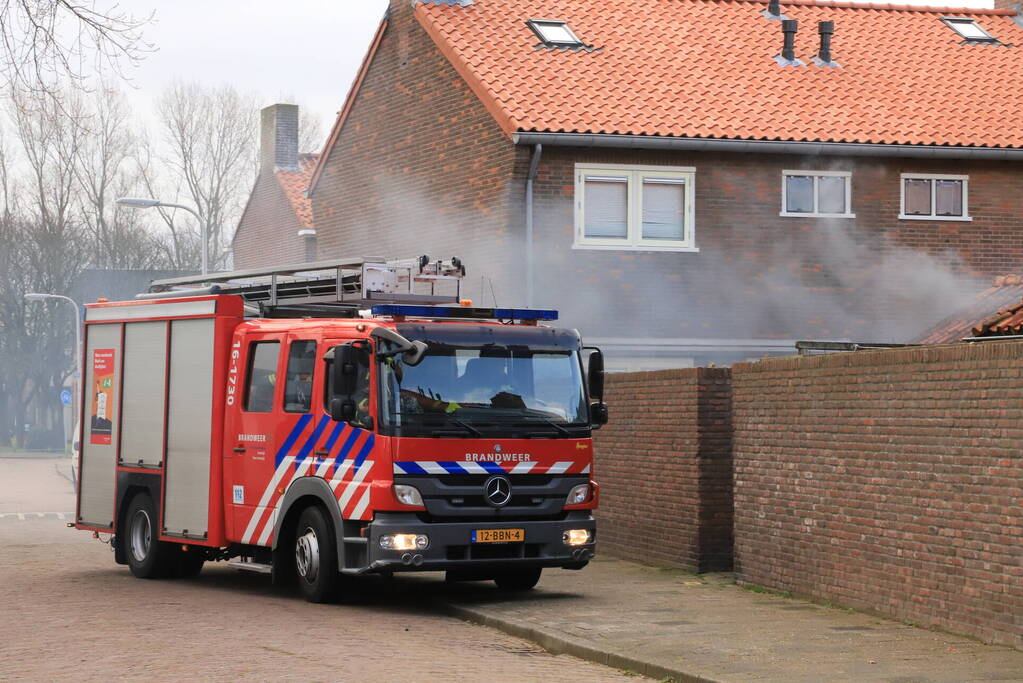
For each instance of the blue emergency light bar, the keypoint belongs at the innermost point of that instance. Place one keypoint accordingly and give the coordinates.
(465, 312)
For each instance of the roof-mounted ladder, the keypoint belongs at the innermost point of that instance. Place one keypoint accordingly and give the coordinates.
(335, 288)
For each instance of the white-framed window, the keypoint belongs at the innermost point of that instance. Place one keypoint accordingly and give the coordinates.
(969, 29)
(817, 194)
(932, 197)
(642, 208)
(554, 32)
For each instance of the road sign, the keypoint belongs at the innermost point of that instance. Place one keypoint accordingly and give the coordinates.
(65, 397)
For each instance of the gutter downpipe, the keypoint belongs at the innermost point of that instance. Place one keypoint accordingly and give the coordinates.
(849, 149)
(533, 164)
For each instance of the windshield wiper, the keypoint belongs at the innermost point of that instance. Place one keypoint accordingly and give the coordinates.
(468, 427)
(449, 419)
(552, 423)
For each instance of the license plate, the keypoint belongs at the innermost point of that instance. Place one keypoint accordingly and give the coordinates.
(498, 535)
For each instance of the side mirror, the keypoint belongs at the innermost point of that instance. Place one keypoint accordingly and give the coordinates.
(345, 369)
(349, 366)
(595, 375)
(411, 351)
(598, 414)
(341, 410)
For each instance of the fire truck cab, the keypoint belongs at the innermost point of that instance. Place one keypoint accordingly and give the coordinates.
(335, 419)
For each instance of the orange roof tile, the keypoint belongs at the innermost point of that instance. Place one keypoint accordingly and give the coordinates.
(996, 311)
(295, 183)
(705, 68)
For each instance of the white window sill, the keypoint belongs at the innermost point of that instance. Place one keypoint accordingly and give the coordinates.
(634, 247)
(817, 215)
(961, 219)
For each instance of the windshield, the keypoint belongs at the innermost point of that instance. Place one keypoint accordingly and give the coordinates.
(514, 391)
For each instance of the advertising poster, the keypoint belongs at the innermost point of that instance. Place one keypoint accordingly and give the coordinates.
(102, 396)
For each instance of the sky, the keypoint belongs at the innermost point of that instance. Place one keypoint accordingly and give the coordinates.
(308, 50)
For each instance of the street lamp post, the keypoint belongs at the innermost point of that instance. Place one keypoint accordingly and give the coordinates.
(139, 203)
(35, 296)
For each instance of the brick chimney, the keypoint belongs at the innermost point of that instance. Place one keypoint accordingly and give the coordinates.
(278, 138)
(1010, 4)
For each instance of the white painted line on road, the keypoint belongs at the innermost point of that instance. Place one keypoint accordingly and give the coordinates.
(28, 516)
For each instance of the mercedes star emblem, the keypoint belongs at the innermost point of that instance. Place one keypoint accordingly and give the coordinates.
(497, 491)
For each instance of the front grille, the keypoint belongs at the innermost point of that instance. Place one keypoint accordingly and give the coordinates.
(495, 551)
(459, 497)
(479, 479)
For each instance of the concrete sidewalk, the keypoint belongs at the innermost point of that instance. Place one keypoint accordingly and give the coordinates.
(668, 624)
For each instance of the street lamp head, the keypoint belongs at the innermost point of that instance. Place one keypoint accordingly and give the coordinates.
(33, 296)
(138, 203)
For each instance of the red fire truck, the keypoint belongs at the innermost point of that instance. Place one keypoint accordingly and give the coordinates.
(337, 418)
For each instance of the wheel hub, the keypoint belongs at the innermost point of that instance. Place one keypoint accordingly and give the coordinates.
(141, 535)
(307, 555)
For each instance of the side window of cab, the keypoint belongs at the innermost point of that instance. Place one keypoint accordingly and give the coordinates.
(261, 379)
(361, 396)
(298, 385)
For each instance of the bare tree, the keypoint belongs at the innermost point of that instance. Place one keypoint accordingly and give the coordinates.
(41, 243)
(310, 131)
(105, 168)
(211, 138)
(48, 44)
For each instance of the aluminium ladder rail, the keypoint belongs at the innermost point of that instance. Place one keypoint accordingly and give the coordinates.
(338, 287)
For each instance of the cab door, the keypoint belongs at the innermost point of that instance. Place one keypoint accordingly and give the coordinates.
(349, 457)
(274, 430)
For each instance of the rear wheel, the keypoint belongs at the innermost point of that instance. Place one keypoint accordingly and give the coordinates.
(315, 556)
(518, 579)
(148, 558)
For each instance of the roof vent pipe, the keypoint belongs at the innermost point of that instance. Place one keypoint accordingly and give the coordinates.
(825, 28)
(823, 58)
(788, 29)
(773, 11)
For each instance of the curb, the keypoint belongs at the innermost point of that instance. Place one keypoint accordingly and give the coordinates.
(558, 644)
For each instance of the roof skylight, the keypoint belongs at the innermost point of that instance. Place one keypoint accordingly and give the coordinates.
(553, 32)
(968, 29)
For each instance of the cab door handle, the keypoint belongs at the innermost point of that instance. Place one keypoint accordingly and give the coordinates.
(238, 449)
(321, 452)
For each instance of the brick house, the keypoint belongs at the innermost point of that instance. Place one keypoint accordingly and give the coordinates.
(689, 181)
(276, 226)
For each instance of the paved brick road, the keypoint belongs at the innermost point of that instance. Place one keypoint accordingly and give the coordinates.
(70, 612)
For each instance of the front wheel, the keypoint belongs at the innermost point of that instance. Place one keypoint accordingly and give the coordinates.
(518, 579)
(148, 558)
(315, 557)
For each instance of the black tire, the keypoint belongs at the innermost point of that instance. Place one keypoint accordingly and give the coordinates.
(315, 556)
(189, 562)
(518, 579)
(147, 557)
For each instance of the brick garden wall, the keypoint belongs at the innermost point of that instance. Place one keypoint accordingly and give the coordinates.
(664, 466)
(887, 480)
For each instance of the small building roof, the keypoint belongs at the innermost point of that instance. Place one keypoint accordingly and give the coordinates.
(295, 183)
(707, 69)
(996, 311)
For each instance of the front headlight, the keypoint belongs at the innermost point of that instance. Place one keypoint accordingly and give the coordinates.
(408, 495)
(577, 537)
(404, 541)
(578, 494)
